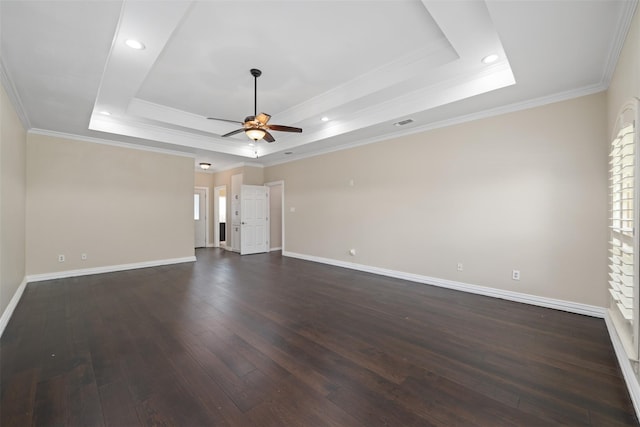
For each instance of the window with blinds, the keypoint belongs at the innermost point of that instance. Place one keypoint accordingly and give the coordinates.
(623, 219)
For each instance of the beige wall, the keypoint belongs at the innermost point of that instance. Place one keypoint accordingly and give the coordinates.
(12, 201)
(275, 216)
(252, 176)
(203, 179)
(117, 205)
(526, 190)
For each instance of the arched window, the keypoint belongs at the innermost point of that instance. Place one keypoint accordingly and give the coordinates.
(623, 222)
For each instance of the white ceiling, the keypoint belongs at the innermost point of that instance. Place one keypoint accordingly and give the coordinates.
(364, 64)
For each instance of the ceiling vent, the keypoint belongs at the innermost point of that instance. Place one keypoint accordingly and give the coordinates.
(403, 122)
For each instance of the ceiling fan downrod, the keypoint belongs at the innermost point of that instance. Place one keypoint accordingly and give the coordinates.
(255, 73)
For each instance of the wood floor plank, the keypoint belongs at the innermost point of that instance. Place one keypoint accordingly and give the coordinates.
(312, 409)
(18, 398)
(266, 340)
(85, 408)
(118, 406)
(51, 405)
(246, 391)
(222, 410)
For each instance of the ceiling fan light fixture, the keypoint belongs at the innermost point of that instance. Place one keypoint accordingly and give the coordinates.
(205, 166)
(255, 134)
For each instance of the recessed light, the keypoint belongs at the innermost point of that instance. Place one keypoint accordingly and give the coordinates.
(105, 113)
(325, 119)
(489, 59)
(134, 44)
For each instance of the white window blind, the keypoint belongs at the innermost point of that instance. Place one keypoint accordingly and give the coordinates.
(623, 221)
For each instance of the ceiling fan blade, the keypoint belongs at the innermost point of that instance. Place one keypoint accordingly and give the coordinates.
(268, 137)
(233, 132)
(263, 118)
(224, 120)
(282, 128)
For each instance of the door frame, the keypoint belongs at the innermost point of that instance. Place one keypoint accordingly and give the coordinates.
(206, 214)
(275, 184)
(216, 215)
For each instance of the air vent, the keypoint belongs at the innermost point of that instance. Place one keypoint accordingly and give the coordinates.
(403, 122)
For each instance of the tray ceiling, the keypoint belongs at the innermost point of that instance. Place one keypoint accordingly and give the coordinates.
(364, 65)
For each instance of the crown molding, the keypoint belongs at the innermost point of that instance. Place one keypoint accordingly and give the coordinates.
(492, 112)
(120, 144)
(209, 171)
(12, 93)
(236, 166)
(624, 24)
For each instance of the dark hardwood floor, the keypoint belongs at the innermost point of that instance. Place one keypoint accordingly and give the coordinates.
(263, 340)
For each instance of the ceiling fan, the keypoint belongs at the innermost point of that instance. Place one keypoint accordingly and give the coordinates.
(256, 127)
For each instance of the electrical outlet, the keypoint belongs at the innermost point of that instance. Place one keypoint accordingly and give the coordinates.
(459, 267)
(515, 274)
(60, 258)
(352, 252)
(83, 257)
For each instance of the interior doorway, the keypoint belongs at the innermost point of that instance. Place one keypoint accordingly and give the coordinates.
(220, 216)
(200, 215)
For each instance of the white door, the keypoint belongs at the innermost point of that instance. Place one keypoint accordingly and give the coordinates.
(199, 217)
(254, 221)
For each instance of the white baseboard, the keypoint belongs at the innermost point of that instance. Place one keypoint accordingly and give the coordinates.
(630, 378)
(107, 269)
(569, 306)
(625, 365)
(6, 315)
(279, 248)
